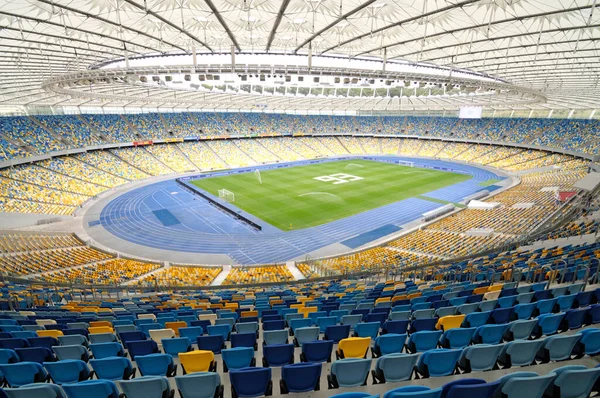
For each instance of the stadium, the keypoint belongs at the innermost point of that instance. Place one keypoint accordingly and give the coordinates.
(243, 198)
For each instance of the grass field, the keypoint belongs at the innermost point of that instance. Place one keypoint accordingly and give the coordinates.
(291, 198)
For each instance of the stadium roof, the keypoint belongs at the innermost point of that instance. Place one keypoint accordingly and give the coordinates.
(546, 46)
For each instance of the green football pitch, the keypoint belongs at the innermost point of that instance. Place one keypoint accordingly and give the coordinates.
(306, 196)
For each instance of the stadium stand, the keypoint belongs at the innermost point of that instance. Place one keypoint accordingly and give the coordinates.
(178, 275)
(202, 156)
(171, 156)
(113, 272)
(245, 275)
(141, 159)
(112, 128)
(109, 163)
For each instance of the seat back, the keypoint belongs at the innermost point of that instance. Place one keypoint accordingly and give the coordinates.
(141, 347)
(176, 345)
(275, 337)
(92, 389)
(159, 334)
(351, 372)
(354, 347)
(397, 367)
(279, 354)
(480, 357)
(390, 343)
(67, 371)
(35, 391)
(576, 383)
(438, 362)
(146, 387)
(22, 373)
(532, 387)
(458, 337)
(424, 341)
(317, 351)
(71, 352)
(196, 361)
(306, 334)
(199, 385)
(112, 368)
(337, 332)
(106, 350)
(522, 352)
(301, 377)
(559, 348)
(251, 382)
(367, 329)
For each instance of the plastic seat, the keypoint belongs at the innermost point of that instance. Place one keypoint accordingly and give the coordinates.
(157, 335)
(198, 361)
(71, 352)
(469, 388)
(519, 353)
(299, 323)
(565, 302)
(142, 347)
(419, 325)
(73, 340)
(275, 337)
(200, 385)
(476, 319)
(22, 373)
(24, 334)
(557, 348)
(156, 365)
(124, 328)
(237, 358)
(500, 316)
(176, 345)
(8, 356)
(367, 329)
(547, 325)
(593, 316)
(251, 382)
(574, 382)
(490, 334)
(450, 322)
(303, 335)
(92, 389)
(574, 319)
(423, 313)
(414, 391)
(438, 362)
(423, 341)
(274, 325)
(337, 332)
(244, 340)
(397, 327)
(353, 347)
(465, 309)
(131, 336)
(544, 307)
(278, 354)
(34, 391)
(479, 357)
(211, 343)
(246, 327)
(146, 387)
(589, 344)
(113, 368)
(349, 372)
(67, 371)
(147, 327)
(300, 377)
(583, 299)
(351, 320)
(390, 343)
(520, 329)
(401, 315)
(526, 387)
(102, 338)
(488, 304)
(457, 337)
(395, 367)
(35, 354)
(106, 350)
(11, 344)
(317, 351)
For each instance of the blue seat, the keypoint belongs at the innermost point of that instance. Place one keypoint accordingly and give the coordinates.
(142, 347)
(526, 387)
(479, 357)
(354, 395)
(448, 387)
(73, 340)
(336, 332)
(303, 335)
(419, 325)
(34, 391)
(105, 350)
(92, 389)
(313, 317)
(211, 343)
(22, 373)
(476, 319)
(460, 389)
(367, 329)
(423, 313)
(251, 382)
(379, 317)
(176, 345)
(219, 330)
(200, 385)
(438, 362)
(349, 372)
(156, 365)
(544, 307)
(113, 368)
(574, 319)
(593, 316)
(487, 305)
(506, 301)
(573, 382)
(299, 323)
(237, 358)
(317, 351)
(414, 391)
(490, 334)
(36, 354)
(500, 315)
(457, 337)
(351, 320)
(589, 344)
(191, 332)
(100, 338)
(557, 348)
(390, 343)
(565, 302)
(519, 353)
(246, 327)
(402, 315)
(339, 314)
(520, 329)
(275, 337)
(67, 371)
(23, 334)
(397, 327)
(8, 356)
(71, 352)
(465, 309)
(278, 354)
(326, 321)
(126, 337)
(300, 377)
(11, 344)
(146, 387)
(244, 340)
(203, 324)
(583, 299)
(274, 325)
(395, 367)
(423, 341)
(125, 328)
(547, 325)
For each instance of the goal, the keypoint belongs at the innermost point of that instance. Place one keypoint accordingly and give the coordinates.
(258, 176)
(405, 163)
(226, 195)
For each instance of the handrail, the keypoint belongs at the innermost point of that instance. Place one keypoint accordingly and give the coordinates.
(595, 278)
(529, 269)
(542, 273)
(586, 276)
(564, 272)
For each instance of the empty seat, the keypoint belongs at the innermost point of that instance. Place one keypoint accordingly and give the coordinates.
(419, 325)
(274, 325)
(438, 362)
(142, 347)
(176, 345)
(573, 382)
(351, 320)
(71, 352)
(219, 330)
(526, 387)
(390, 343)
(237, 358)
(337, 332)
(398, 327)
(198, 361)
(211, 343)
(469, 388)
(200, 385)
(106, 350)
(158, 334)
(102, 338)
(244, 340)
(574, 319)
(519, 353)
(520, 329)
(73, 340)
(92, 389)
(303, 335)
(156, 365)
(274, 336)
(479, 357)
(589, 344)
(35, 391)
(395, 367)
(67, 371)
(457, 338)
(423, 341)
(490, 334)
(317, 351)
(11, 344)
(557, 348)
(414, 391)
(300, 377)
(146, 387)
(251, 382)
(353, 347)
(22, 373)
(113, 368)
(35, 354)
(547, 325)
(349, 372)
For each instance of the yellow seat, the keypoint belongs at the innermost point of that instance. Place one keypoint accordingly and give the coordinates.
(414, 295)
(307, 310)
(495, 288)
(480, 290)
(353, 347)
(197, 361)
(175, 326)
(449, 322)
(248, 314)
(95, 324)
(297, 306)
(100, 329)
(49, 333)
(383, 300)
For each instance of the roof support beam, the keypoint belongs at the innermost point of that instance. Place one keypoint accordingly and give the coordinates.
(284, 5)
(331, 25)
(219, 17)
(167, 22)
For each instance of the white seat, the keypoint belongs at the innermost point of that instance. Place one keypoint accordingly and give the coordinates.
(44, 322)
(492, 295)
(208, 317)
(158, 334)
(147, 316)
(27, 313)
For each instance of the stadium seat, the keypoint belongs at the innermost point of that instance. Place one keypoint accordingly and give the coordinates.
(71, 352)
(73, 340)
(305, 334)
(457, 337)
(146, 387)
(390, 343)
(479, 357)
(102, 338)
(247, 327)
(106, 350)
(438, 362)
(11, 344)
(547, 325)
(22, 373)
(35, 354)
(274, 337)
(278, 354)
(414, 391)
(349, 372)
(336, 332)
(35, 391)
(8, 356)
(251, 382)
(211, 343)
(158, 334)
(142, 347)
(156, 365)
(237, 358)
(353, 347)
(131, 336)
(526, 387)
(557, 348)
(92, 389)
(300, 377)
(573, 382)
(200, 385)
(490, 334)
(367, 329)
(67, 371)
(520, 329)
(395, 367)
(113, 368)
(176, 345)
(198, 361)
(423, 341)
(419, 325)
(519, 353)
(588, 344)
(317, 351)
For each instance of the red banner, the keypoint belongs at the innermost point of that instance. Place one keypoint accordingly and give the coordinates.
(141, 143)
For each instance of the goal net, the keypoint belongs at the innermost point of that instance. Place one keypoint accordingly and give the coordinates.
(226, 195)
(258, 176)
(405, 163)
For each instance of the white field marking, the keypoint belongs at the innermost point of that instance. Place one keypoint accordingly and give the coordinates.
(322, 193)
(339, 178)
(354, 165)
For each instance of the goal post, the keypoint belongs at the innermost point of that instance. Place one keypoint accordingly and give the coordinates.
(406, 163)
(258, 176)
(226, 195)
